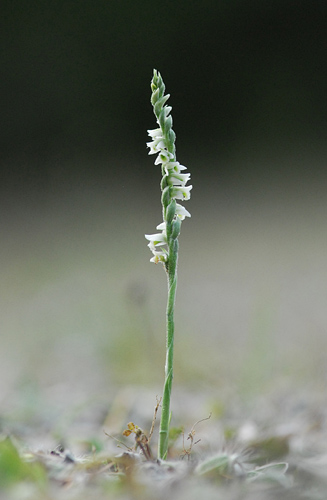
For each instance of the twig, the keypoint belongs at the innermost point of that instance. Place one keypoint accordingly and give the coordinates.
(154, 418)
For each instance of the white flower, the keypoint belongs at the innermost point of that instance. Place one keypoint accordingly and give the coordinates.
(156, 146)
(159, 255)
(181, 212)
(163, 157)
(156, 239)
(176, 166)
(176, 179)
(181, 192)
(157, 132)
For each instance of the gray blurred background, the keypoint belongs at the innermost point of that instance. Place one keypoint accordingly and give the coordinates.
(81, 306)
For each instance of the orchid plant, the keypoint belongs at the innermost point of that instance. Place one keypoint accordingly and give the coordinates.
(164, 245)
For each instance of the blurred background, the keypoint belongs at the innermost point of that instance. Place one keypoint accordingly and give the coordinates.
(82, 309)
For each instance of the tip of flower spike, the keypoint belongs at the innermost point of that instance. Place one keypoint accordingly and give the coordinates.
(156, 74)
(157, 82)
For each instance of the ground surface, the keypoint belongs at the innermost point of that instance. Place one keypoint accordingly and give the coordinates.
(274, 447)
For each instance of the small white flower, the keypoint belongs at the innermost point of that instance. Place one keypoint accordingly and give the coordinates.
(181, 192)
(179, 179)
(156, 146)
(159, 254)
(176, 166)
(159, 257)
(156, 243)
(157, 132)
(181, 212)
(163, 157)
(156, 239)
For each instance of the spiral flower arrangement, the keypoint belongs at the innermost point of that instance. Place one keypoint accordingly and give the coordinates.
(173, 183)
(164, 245)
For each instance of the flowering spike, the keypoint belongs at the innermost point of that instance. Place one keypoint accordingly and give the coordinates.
(164, 245)
(173, 183)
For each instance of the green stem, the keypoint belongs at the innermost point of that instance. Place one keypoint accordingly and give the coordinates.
(171, 268)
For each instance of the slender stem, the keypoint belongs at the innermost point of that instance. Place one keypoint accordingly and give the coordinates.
(165, 413)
